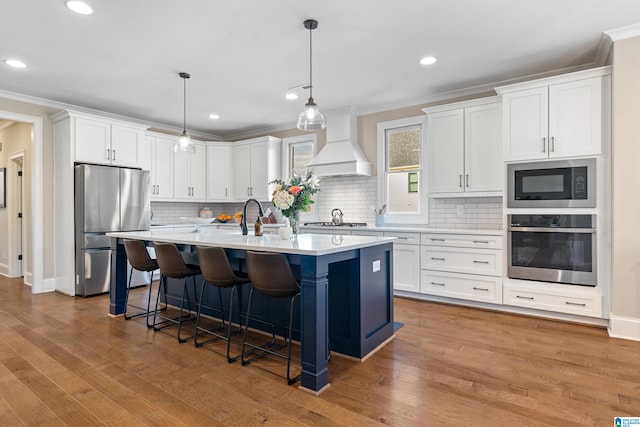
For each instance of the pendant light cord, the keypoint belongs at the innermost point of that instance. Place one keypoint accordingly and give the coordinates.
(310, 63)
(184, 105)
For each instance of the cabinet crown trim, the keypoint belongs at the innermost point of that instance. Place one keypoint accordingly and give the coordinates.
(463, 104)
(562, 78)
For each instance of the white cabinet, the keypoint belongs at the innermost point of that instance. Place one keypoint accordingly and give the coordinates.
(464, 146)
(255, 163)
(161, 153)
(190, 174)
(218, 167)
(406, 261)
(580, 300)
(464, 266)
(555, 117)
(101, 141)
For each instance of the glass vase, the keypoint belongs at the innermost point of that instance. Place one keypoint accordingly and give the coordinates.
(294, 223)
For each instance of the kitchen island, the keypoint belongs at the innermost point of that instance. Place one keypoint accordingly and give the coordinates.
(356, 316)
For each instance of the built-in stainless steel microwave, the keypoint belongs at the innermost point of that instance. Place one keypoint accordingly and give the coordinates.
(552, 184)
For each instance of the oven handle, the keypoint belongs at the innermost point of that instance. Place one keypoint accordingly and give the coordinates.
(553, 230)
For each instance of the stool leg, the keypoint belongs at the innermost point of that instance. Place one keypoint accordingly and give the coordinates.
(184, 291)
(233, 290)
(199, 305)
(126, 296)
(161, 285)
(289, 379)
(246, 328)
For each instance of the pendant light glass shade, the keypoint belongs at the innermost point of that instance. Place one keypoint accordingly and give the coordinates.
(311, 118)
(184, 143)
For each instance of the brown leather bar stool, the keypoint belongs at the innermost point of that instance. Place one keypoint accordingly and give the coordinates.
(271, 276)
(217, 271)
(140, 260)
(173, 266)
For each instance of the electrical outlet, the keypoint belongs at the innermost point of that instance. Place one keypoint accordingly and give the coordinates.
(459, 210)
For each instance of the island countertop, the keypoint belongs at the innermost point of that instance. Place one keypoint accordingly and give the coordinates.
(304, 244)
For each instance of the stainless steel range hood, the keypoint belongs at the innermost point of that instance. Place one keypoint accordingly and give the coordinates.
(341, 155)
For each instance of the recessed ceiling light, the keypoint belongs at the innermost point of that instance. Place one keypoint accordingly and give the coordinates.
(291, 96)
(79, 7)
(214, 116)
(15, 63)
(428, 60)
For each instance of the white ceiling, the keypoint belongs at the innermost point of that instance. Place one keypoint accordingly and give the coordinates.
(243, 55)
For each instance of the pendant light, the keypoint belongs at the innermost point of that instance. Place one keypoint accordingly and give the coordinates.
(184, 143)
(311, 118)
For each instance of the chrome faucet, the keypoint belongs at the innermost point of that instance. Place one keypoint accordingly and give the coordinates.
(243, 222)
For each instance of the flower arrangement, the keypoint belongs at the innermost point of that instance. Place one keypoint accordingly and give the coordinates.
(295, 196)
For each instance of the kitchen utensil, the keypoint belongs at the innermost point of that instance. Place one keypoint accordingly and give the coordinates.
(336, 216)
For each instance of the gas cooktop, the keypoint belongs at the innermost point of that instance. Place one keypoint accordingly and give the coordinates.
(331, 224)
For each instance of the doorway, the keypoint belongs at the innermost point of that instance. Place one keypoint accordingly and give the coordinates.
(18, 242)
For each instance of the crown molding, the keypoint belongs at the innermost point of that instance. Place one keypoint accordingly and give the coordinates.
(623, 33)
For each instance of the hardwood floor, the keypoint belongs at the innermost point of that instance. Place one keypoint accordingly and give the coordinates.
(63, 361)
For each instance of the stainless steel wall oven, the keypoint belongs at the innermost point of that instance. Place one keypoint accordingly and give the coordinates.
(553, 248)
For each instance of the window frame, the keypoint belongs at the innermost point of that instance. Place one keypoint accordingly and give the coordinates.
(422, 216)
(286, 169)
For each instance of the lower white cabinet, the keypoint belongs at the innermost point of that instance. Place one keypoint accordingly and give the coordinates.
(406, 261)
(463, 286)
(462, 266)
(570, 299)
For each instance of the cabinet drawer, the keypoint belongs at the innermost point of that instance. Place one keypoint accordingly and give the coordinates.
(366, 233)
(463, 286)
(583, 305)
(404, 237)
(474, 261)
(462, 240)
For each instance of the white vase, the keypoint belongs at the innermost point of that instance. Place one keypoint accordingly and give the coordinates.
(284, 232)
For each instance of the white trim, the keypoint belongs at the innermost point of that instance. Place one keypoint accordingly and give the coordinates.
(422, 217)
(569, 77)
(623, 33)
(12, 247)
(37, 197)
(4, 270)
(627, 328)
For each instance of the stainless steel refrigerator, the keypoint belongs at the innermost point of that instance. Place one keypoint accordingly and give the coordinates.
(106, 199)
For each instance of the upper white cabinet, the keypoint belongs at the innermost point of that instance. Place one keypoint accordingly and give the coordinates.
(556, 117)
(464, 148)
(190, 174)
(218, 167)
(99, 140)
(161, 168)
(255, 163)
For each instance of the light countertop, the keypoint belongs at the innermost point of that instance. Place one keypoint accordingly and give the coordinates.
(305, 244)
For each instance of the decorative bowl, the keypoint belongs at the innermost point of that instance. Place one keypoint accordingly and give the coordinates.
(195, 220)
(222, 220)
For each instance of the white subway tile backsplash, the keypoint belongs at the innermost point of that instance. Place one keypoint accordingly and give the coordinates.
(354, 195)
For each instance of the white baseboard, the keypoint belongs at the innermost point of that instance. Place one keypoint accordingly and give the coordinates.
(49, 285)
(627, 328)
(28, 278)
(4, 270)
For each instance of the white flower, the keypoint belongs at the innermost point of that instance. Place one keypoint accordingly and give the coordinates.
(313, 182)
(282, 199)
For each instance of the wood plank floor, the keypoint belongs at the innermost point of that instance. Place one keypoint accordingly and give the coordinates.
(63, 361)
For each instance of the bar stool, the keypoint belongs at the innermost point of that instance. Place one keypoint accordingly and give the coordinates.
(271, 276)
(173, 266)
(217, 271)
(140, 260)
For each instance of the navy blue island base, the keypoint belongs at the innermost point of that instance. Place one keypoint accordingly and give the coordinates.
(346, 293)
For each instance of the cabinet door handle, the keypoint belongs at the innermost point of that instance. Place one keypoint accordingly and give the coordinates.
(544, 144)
(521, 297)
(108, 154)
(575, 303)
(437, 259)
(460, 181)
(475, 288)
(226, 192)
(114, 155)
(437, 283)
(437, 240)
(401, 238)
(486, 242)
(480, 262)
(158, 189)
(467, 180)
(553, 144)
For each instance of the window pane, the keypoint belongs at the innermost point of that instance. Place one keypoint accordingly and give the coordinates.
(300, 156)
(403, 192)
(403, 148)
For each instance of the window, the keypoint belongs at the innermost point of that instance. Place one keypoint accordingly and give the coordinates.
(401, 174)
(297, 153)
